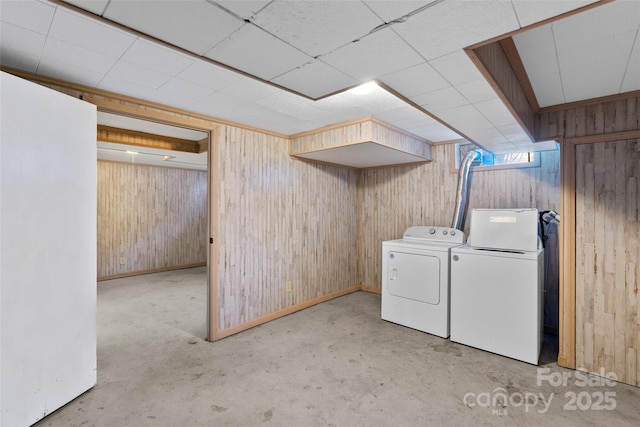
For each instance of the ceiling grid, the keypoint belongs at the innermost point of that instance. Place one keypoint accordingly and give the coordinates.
(291, 57)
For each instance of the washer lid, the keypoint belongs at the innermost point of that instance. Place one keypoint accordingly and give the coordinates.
(510, 229)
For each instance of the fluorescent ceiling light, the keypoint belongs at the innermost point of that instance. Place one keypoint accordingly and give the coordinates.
(132, 152)
(364, 88)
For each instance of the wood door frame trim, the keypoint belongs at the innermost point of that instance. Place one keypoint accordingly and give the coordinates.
(567, 267)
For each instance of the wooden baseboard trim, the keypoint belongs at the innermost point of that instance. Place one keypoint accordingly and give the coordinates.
(281, 313)
(565, 362)
(155, 270)
(371, 289)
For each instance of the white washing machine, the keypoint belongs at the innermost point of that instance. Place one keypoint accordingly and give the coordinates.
(415, 278)
(497, 285)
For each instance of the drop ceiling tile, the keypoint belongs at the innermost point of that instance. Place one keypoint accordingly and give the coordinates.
(488, 137)
(548, 89)
(218, 104)
(434, 132)
(90, 34)
(209, 75)
(585, 75)
(496, 112)
(391, 10)
(167, 20)
(124, 87)
(317, 27)
(138, 75)
(76, 56)
(21, 40)
(315, 79)
(514, 132)
(252, 50)
(266, 117)
(416, 80)
(348, 106)
(156, 57)
(245, 8)
(465, 118)
(68, 72)
(377, 54)
(374, 102)
(476, 91)
(631, 79)
(250, 89)
(405, 117)
(170, 99)
(93, 6)
(31, 15)
(440, 99)
(530, 12)
(295, 106)
(457, 68)
(604, 21)
(537, 50)
(18, 59)
(185, 89)
(452, 25)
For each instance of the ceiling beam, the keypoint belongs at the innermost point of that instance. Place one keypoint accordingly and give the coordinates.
(148, 140)
(511, 51)
(494, 64)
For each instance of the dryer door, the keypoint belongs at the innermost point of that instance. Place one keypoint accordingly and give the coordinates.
(414, 276)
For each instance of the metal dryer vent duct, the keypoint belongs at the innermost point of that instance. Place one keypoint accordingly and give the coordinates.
(462, 193)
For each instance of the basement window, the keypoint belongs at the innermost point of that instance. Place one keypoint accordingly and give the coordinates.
(491, 161)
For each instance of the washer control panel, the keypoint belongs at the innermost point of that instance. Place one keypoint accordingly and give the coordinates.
(426, 232)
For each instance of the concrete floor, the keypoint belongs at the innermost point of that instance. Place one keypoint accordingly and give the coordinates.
(334, 364)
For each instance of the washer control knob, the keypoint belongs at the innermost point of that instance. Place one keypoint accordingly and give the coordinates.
(445, 232)
(453, 233)
(432, 231)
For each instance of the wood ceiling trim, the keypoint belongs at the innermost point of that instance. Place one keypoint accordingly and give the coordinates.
(148, 140)
(511, 51)
(593, 101)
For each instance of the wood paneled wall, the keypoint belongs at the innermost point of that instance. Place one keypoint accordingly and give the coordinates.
(280, 220)
(393, 199)
(606, 118)
(153, 217)
(494, 64)
(358, 131)
(607, 258)
(599, 327)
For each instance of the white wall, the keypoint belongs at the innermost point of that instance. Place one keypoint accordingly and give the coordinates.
(47, 250)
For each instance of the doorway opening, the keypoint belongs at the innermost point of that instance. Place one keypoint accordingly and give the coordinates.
(154, 200)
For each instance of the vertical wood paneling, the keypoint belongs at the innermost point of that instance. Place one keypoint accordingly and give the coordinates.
(494, 64)
(280, 220)
(394, 199)
(607, 266)
(154, 217)
(364, 130)
(598, 119)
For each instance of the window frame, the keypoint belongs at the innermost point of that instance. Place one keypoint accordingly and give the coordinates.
(455, 161)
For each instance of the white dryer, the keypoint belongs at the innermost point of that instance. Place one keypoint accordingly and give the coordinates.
(497, 284)
(415, 278)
